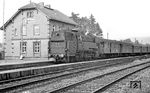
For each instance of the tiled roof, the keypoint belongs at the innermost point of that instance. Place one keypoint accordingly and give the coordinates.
(55, 14)
(52, 14)
(28, 6)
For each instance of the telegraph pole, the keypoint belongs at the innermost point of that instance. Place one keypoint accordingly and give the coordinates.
(107, 35)
(3, 14)
(4, 26)
(30, 1)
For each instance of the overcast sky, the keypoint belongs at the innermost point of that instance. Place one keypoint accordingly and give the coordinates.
(120, 18)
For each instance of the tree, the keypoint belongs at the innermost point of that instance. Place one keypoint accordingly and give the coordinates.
(74, 17)
(98, 30)
(92, 19)
(87, 24)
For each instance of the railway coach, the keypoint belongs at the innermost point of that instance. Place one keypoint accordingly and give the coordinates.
(108, 48)
(137, 49)
(127, 49)
(144, 49)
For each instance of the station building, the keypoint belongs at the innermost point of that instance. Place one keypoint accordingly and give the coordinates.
(29, 30)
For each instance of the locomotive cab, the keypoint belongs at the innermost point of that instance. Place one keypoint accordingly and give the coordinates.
(63, 45)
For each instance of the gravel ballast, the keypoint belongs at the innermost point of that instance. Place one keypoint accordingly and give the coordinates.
(124, 85)
(75, 78)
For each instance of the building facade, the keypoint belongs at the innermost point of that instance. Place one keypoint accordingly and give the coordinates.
(29, 30)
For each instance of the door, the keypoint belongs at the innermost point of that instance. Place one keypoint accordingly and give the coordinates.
(36, 49)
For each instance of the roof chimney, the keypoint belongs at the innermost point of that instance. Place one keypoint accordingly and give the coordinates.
(41, 4)
(48, 6)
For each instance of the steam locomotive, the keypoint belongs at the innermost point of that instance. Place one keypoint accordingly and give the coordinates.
(70, 46)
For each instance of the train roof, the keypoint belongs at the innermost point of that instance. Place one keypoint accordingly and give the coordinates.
(115, 41)
(106, 40)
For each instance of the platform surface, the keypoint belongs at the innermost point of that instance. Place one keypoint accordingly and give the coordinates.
(14, 61)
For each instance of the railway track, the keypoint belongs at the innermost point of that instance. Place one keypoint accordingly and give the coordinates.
(102, 82)
(18, 84)
(13, 84)
(64, 88)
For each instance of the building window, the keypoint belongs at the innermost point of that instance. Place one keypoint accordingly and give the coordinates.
(36, 29)
(59, 28)
(36, 47)
(54, 28)
(15, 32)
(24, 47)
(30, 14)
(24, 30)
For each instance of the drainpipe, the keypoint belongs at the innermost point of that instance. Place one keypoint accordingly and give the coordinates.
(21, 34)
(49, 42)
